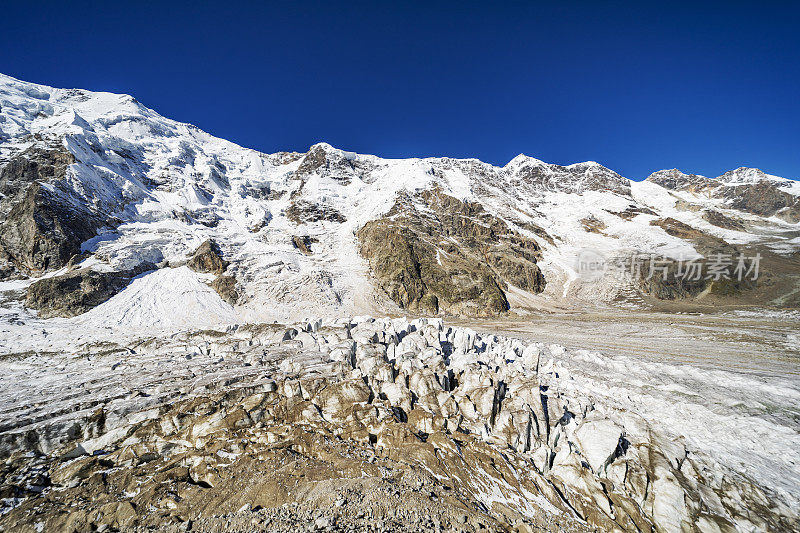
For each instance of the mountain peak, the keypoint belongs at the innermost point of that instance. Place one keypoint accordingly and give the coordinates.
(522, 159)
(747, 175)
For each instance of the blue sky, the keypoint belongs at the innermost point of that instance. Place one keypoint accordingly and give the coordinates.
(704, 87)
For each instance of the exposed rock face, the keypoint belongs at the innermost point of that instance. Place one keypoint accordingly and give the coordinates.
(226, 288)
(722, 221)
(303, 243)
(304, 212)
(676, 285)
(433, 253)
(746, 189)
(43, 226)
(706, 244)
(764, 199)
(37, 163)
(78, 291)
(676, 180)
(208, 259)
(354, 424)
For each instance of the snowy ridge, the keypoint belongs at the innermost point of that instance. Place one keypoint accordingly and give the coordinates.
(166, 187)
(173, 186)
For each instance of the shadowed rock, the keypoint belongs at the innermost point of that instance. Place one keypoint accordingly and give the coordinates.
(44, 225)
(78, 291)
(433, 253)
(207, 259)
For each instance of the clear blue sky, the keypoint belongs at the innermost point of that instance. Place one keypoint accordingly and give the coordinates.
(704, 87)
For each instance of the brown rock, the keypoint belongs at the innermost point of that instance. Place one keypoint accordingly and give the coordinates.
(226, 288)
(208, 259)
(452, 258)
(78, 291)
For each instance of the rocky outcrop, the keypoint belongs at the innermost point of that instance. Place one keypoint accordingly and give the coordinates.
(763, 198)
(226, 288)
(304, 243)
(704, 243)
(207, 259)
(433, 253)
(674, 283)
(40, 163)
(305, 212)
(633, 211)
(593, 225)
(43, 225)
(78, 291)
(676, 180)
(722, 221)
(746, 189)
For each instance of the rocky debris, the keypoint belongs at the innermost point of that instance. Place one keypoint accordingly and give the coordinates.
(361, 425)
(44, 224)
(303, 243)
(78, 291)
(716, 218)
(433, 253)
(675, 284)
(593, 225)
(208, 259)
(304, 212)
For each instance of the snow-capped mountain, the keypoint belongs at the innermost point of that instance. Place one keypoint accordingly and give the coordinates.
(141, 261)
(96, 184)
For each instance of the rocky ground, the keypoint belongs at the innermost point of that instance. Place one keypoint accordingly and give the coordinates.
(359, 424)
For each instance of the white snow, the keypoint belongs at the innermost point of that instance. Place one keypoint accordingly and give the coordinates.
(164, 299)
(174, 186)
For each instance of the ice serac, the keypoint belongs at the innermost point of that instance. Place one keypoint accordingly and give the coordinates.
(468, 427)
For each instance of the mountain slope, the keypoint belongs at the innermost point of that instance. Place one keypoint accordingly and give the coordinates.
(97, 180)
